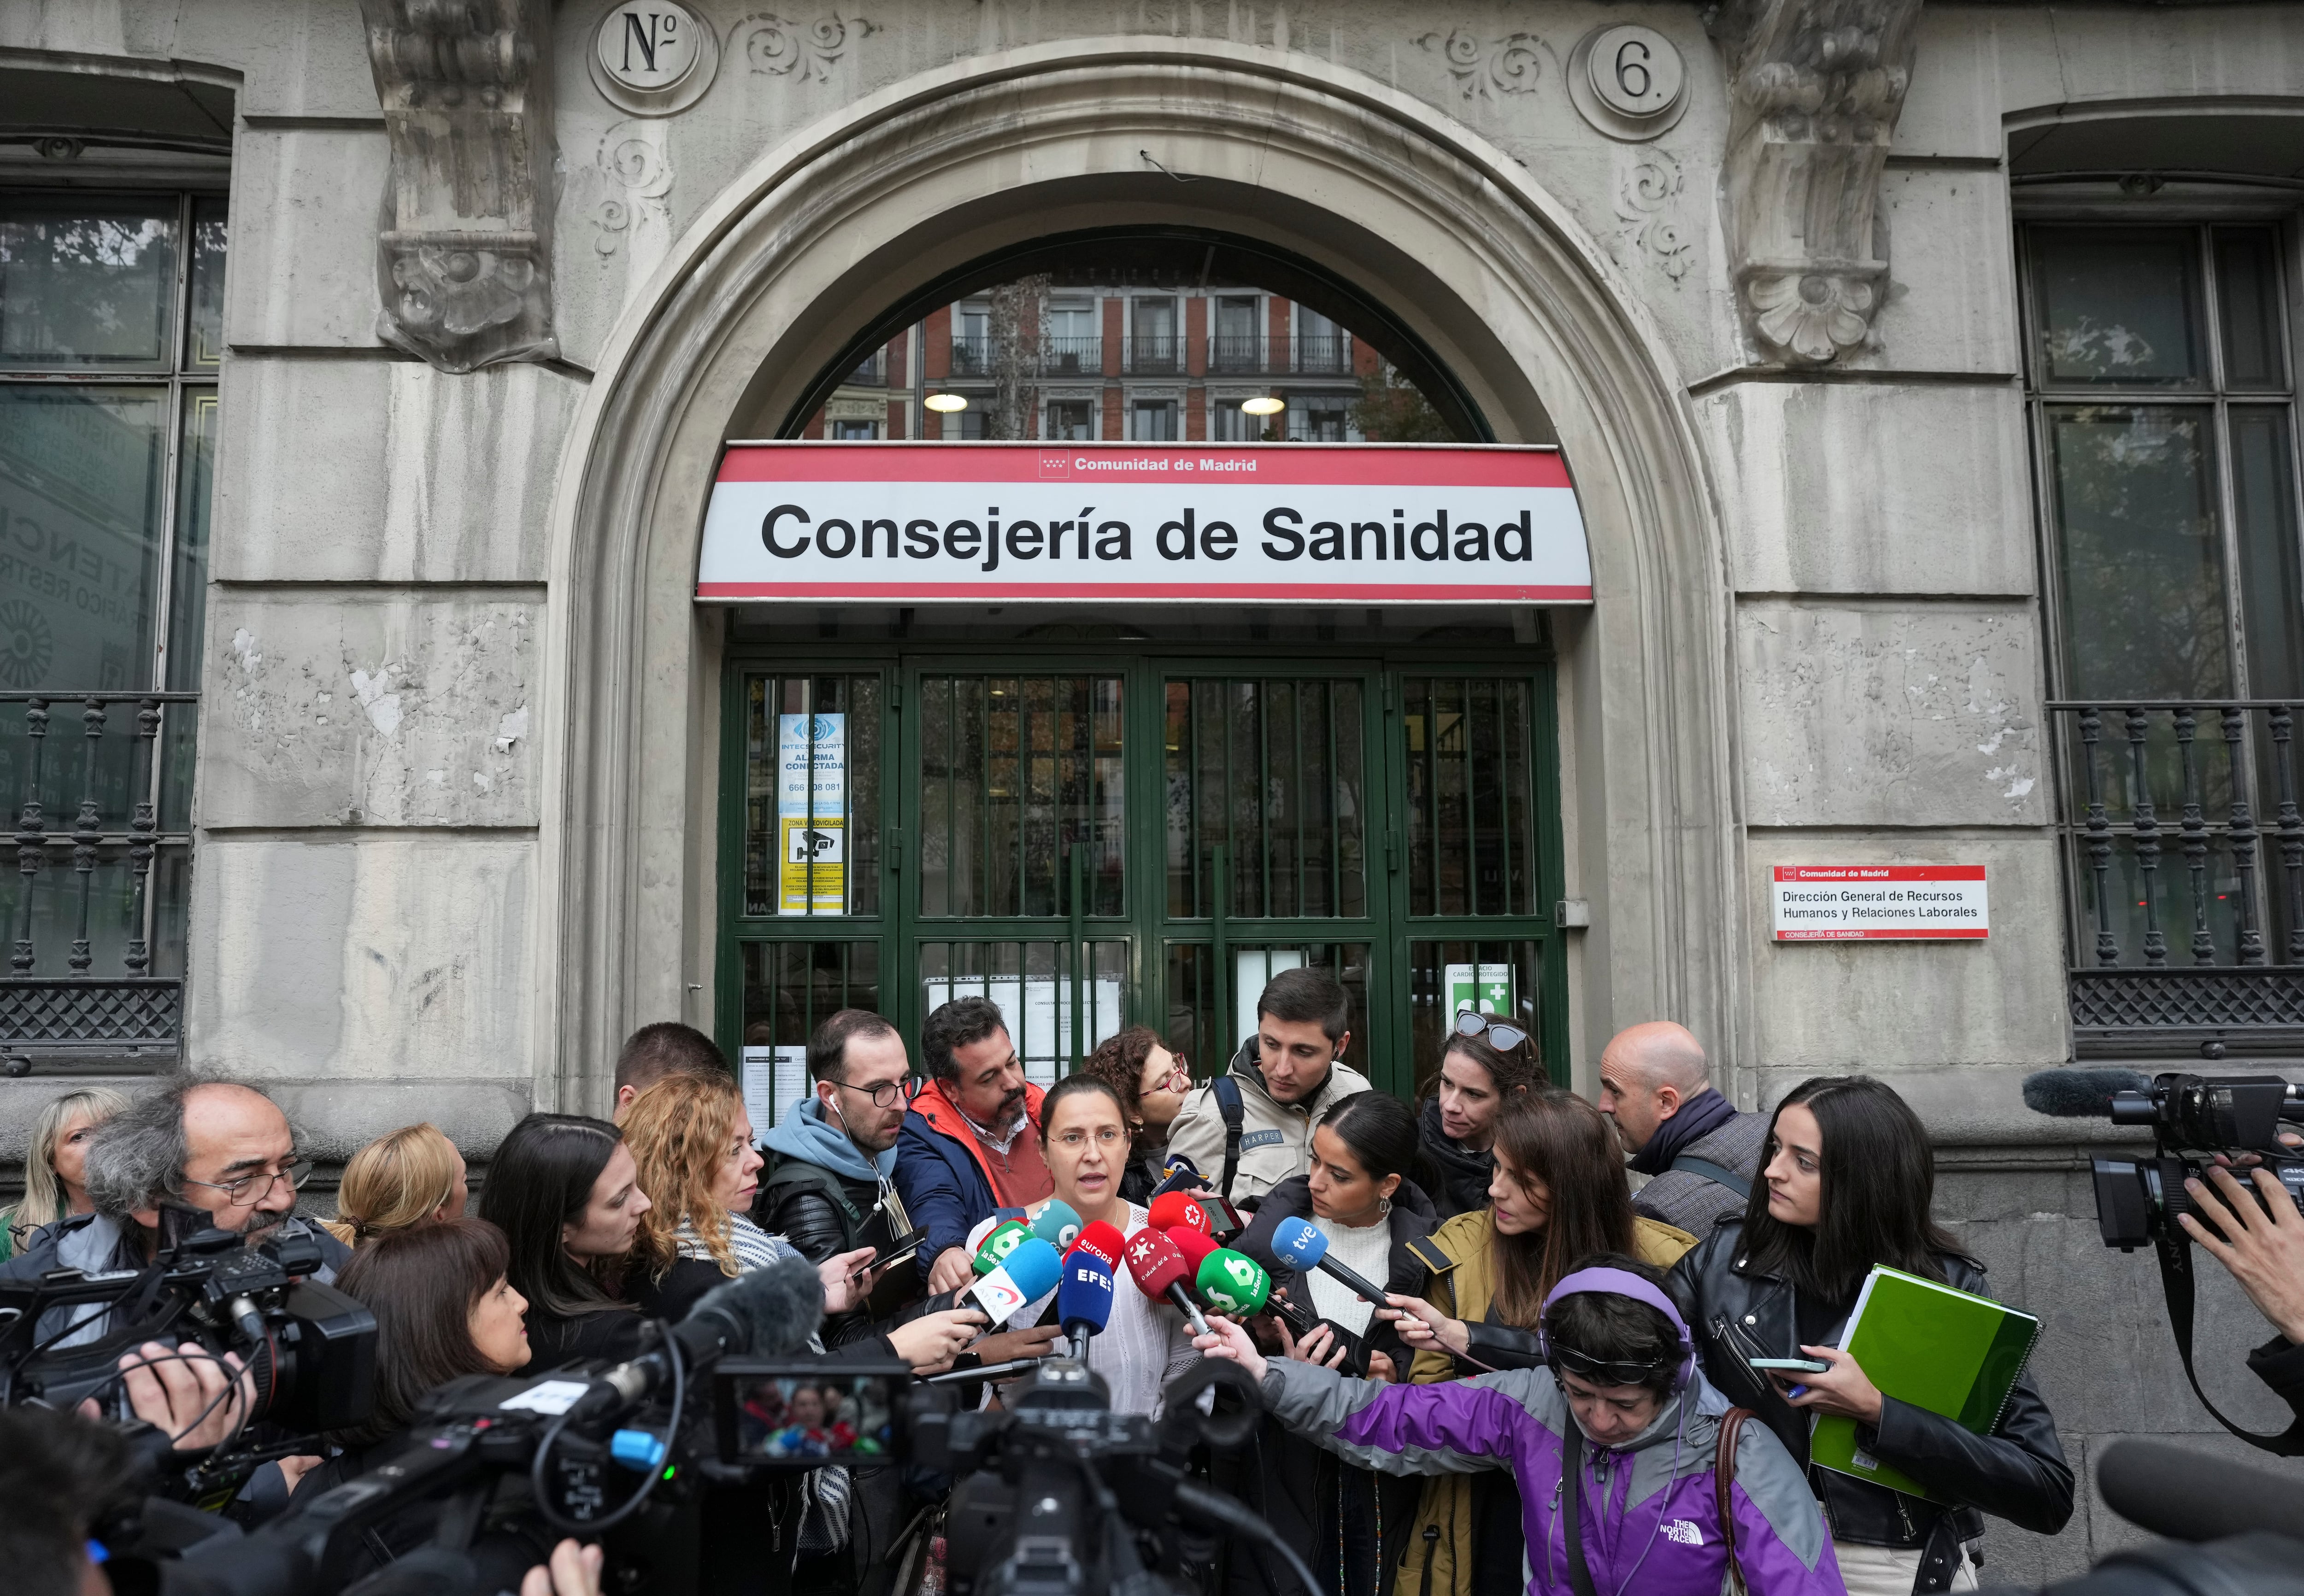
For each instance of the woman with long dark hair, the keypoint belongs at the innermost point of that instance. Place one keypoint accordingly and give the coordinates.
(1847, 1181)
(1559, 1196)
(565, 1191)
(1347, 1522)
(1458, 1127)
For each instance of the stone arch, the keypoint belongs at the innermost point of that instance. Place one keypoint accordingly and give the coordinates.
(956, 164)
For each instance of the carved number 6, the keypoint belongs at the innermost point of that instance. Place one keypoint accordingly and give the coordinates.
(1626, 68)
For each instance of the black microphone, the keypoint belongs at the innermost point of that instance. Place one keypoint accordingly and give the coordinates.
(2080, 1093)
(771, 1312)
(2190, 1496)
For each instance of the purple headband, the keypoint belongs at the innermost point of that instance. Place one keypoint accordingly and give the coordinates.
(1619, 1282)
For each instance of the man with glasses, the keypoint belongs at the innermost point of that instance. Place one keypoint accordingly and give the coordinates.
(971, 1142)
(1700, 1155)
(211, 1151)
(832, 1158)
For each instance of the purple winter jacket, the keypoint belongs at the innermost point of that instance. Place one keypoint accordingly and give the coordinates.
(1651, 1521)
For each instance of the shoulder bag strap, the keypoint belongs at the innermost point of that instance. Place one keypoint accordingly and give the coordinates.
(1235, 1116)
(1719, 1174)
(1572, 1504)
(1724, 1478)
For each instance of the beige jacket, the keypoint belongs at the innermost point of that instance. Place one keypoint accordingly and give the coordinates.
(1275, 1139)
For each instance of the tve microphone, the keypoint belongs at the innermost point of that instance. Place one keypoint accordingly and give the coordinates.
(1028, 1274)
(1158, 1270)
(1006, 1236)
(1084, 1300)
(2080, 1093)
(1059, 1224)
(1234, 1283)
(1102, 1239)
(1300, 1243)
(1171, 1209)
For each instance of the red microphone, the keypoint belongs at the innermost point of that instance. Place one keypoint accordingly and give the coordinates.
(1099, 1240)
(1159, 1269)
(1195, 1246)
(1173, 1211)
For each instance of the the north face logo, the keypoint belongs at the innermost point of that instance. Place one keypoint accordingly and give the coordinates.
(1683, 1531)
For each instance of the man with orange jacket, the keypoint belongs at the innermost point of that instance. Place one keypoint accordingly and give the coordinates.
(971, 1142)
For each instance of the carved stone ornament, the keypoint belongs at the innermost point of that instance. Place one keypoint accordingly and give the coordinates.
(1815, 88)
(464, 243)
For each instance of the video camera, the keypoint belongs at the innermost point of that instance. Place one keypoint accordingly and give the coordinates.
(310, 1349)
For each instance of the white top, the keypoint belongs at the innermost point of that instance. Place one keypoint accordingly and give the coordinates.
(1145, 1344)
(1367, 1252)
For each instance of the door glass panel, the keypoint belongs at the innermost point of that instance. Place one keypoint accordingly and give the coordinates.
(2140, 564)
(1015, 772)
(1495, 977)
(86, 281)
(2264, 507)
(2118, 307)
(1270, 770)
(1212, 1001)
(204, 333)
(1471, 821)
(2248, 295)
(789, 989)
(811, 794)
(1039, 987)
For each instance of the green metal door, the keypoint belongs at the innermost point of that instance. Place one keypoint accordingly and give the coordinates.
(1141, 835)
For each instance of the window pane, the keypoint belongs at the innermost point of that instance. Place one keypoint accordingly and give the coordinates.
(80, 472)
(1498, 978)
(1210, 1026)
(1271, 771)
(2117, 307)
(86, 281)
(789, 988)
(812, 794)
(2142, 573)
(2247, 293)
(204, 341)
(1471, 823)
(2264, 505)
(1039, 992)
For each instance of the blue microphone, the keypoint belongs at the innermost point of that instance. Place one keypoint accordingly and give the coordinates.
(1027, 1274)
(1059, 1225)
(1084, 1300)
(1300, 1243)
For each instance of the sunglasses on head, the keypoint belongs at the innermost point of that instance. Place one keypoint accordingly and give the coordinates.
(1501, 1034)
(1567, 1360)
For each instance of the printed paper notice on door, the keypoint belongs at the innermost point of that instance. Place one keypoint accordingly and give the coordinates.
(812, 812)
(1825, 903)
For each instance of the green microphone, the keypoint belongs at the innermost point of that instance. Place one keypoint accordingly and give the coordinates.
(1233, 1283)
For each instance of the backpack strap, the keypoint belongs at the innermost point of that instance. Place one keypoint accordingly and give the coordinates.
(1235, 1116)
(1724, 1477)
(1718, 1174)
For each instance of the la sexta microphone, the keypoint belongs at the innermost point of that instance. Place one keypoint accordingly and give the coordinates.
(1103, 1241)
(1059, 1224)
(990, 1223)
(1004, 1239)
(772, 1312)
(1028, 1274)
(1171, 1210)
(2080, 1093)
(1084, 1300)
(1158, 1270)
(1233, 1283)
(1299, 1243)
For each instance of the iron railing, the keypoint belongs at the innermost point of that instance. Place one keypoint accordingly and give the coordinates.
(130, 811)
(1330, 352)
(2184, 861)
(1155, 353)
(1072, 357)
(871, 371)
(1236, 351)
(970, 357)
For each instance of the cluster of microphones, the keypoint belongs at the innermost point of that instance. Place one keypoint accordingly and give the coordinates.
(1022, 1264)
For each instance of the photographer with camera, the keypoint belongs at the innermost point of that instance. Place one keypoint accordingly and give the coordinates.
(197, 1142)
(2258, 1236)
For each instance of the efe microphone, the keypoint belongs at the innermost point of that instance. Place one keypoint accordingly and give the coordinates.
(1084, 1300)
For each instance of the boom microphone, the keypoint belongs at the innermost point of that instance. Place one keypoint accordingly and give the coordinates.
(769, 1312)
(2080, 1093)
(1158, 1270)
(2187, 1497)
(1299, 1243)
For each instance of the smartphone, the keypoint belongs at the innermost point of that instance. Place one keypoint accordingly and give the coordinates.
(804, 1414)
(1792, 1366)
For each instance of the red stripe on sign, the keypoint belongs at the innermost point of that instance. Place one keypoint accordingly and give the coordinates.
(1093, 466)
(1879, 873)
(990, 593)
(1968, 934)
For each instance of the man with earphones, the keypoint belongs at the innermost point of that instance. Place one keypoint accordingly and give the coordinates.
(1634, 1473)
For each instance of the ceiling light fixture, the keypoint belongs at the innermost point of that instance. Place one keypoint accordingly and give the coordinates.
(947, 402)
(1269, 405)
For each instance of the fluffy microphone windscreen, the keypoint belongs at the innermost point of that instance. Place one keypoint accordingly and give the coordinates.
(1035, 1267)
(1173, 1209)
(1233, 1282)
(2186, 1496)
(1059, 1224)
(1154, 1262)
(1104, 1240)
(1195, 1246)
(1084, 1299)
(2080, 1093)
(1006, 1236)
(772, 1312)
(1299, 1243)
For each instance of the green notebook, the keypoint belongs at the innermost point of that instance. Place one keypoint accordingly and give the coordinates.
(1934, 1347)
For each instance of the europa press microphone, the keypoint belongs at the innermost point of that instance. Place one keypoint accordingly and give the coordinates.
(1300, 1243)
(1084, 1299)
(1160, 1271)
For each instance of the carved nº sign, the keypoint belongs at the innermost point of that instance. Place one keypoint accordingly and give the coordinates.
(654, 56)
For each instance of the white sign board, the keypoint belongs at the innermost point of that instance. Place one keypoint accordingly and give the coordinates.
(1828, 903)
(812, 812)
(1485, 987)
(1039, 1015)
(775, 1079)
(1251, 969)
(1366, 523)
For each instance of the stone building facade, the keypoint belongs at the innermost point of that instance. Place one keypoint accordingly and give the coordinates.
(1923, 371)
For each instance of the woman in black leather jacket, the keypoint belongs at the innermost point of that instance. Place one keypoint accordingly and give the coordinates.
(1847, 1182)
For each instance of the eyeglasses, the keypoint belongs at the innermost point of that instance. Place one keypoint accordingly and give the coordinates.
(252, 1189)
(1501, 1034)
(1180, 1072)
(887, 1094)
